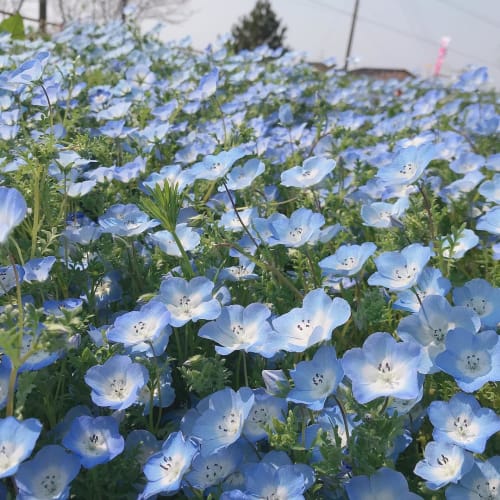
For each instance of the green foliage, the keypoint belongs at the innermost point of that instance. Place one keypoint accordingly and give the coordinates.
(260, 27)
(203, 375)
(14, 25)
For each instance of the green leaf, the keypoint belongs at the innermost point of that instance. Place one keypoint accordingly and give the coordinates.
(14, 25)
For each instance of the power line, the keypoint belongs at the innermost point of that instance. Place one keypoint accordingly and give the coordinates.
(470, 13)
(401, 32)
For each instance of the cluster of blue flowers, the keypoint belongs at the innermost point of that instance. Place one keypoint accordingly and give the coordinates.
(246, 211)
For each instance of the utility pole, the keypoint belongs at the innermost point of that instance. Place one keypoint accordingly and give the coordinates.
(42, 15)
(351, 34)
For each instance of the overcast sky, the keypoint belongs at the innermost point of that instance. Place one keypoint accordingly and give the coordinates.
(389, 33)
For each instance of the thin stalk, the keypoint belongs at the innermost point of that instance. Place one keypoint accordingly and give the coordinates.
(267, 267)
(428, 209)
(344, 417)
(245, 369)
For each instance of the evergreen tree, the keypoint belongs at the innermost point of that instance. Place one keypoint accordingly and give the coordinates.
(260, 27)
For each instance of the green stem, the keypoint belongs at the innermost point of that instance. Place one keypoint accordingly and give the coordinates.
(245, 369)
(344, 417)
(428, 209)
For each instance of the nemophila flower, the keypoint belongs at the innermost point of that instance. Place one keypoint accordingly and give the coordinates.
(481, 482)
(165, 470)
(48, 475)
(213, 167)
(144, 331)
(276, 382)
(314, 322)
(467, 162)
(188, 300)
(430, 282)
(383, 367)
(400, 270)
(5, 371)
(243, 271)
(8, 277)
(107, 290)
(491, 189)
(38, 269)
(295, 231)
(221, 424)
(408, 164)
(141, 444)
(116, 383)
(456, 248)
(348, 259)
(242, 328)
(490, 221)
(242, 177)
(232, 221)
(213, 469)
(430, 326)
(482, 298)
(383, 214)
(265, 410)
(384, 484)
(40, 357)
(264, 480)
(189, 239)
(17, 440)
(95, 440)
(310, 173)
(172, 174)
(471, 358)
(462, 421)
(443, 463)
(13, 210)
(126, 220)
(317, 379)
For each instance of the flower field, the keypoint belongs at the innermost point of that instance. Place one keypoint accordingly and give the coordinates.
(234, 276)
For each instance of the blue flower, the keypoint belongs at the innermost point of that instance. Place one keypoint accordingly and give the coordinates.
(188, 300)
(141, 444)
(383, 214)
(430, 326)
(48, 474)
(126, 220)
(242, 177)
(490, 221)
(265, 410)
(314, 322)
(312, 172)
(117, 383)
(221, 424)
(456, 248)
(348, 259)
(215, 468)
(17, 440)
(408, 164)
(265, 480)
(295, 231)
(482, 481)
(8, 277)
(317, 379)
(38, 269)
(165, 470)
(482, 298)
(383, 367)
(13, 210)
(213, 167)
(471, 358)
(145, 331)
(239, 328)
(462, 421)
(443, 463)
(430, 282)
(95, 440)
(189, 238)
(400, 270)
(384, 484)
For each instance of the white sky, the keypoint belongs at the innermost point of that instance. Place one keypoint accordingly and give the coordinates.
(389, 33)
